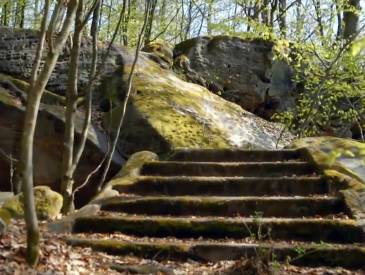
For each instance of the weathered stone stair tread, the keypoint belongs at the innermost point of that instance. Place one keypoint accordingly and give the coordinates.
(303, 229)
(212, 205)
(226, 206)
(226, 186)
(348, 256)
(175, 168)
(231, 155)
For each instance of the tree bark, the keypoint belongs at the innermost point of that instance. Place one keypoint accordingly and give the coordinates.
(282, 17)
(26, 154)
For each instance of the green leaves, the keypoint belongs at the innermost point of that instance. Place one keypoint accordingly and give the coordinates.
(358, 46)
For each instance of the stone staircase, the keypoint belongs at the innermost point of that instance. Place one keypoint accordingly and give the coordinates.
(211, 205)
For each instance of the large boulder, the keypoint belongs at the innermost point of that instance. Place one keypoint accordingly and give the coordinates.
(48, 203)
(240, 70)
(48, 145)
(166, 112)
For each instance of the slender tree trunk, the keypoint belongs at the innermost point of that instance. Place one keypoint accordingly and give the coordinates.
(190, 18)
(26, 153)
(339, 21)
(265, 12)
(6, 11)
(299, 21)
(317, 8)
(282, 17)
(149, 26)
(71, 108)
(126, 98)
(351, 18)
(209, 17)
(36, 14)
(274, 6)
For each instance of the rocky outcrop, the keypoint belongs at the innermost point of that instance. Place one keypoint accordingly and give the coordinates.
(166, 112)
(48, 145)
(240, 70)
(161, 53)
(17, 51)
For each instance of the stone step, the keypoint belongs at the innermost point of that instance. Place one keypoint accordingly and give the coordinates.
(300, 229)
(347, 256)
(231, 169)
(227, 186)
(234, 155)
(226, 206)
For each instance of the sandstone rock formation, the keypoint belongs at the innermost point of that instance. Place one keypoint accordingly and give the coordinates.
(48, 144)
(17, 51)
(161, 53)
(166, 112)
(240, 70)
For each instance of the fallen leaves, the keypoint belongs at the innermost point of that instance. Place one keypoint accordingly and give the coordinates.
(57, 258)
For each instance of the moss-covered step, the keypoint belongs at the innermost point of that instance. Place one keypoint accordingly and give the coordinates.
(228, 169)
(231, 155)
(301, 229)
(226, 206)
(348, 256)
(226, 186)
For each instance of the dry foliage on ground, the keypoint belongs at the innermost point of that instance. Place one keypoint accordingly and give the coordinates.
(59, 258)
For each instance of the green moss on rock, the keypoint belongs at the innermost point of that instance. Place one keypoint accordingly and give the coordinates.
(48, 203)
(48, 97)
(345, 156)
(170, 113)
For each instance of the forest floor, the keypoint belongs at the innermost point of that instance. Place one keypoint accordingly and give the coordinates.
(59, 258)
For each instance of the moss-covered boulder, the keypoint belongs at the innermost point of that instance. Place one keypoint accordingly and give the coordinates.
(346, 156)
(241, 70)
(48, 203)
(160, 52)
(166, 112)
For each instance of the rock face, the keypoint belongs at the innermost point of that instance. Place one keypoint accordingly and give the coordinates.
(48, 144)
(17, 51)
(161, 53)
(166, 112)
(241, 71)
